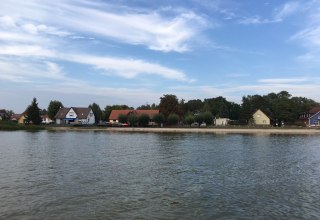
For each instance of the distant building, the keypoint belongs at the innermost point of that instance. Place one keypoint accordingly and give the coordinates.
(310, 118)
(221, 121)
(19, 118)
(75, 115)
(260, 118)
(114, 115)
(46, 119)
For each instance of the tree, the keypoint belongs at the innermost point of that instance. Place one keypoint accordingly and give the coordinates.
(53, 108)
(147, 107)
(207, 118)
(199, 118)
(132, 119)
(144, 120)
(123, 118)
(189, 119)
(96, 111)
(168, 104)
(158, 118)
(33, 113)
(173, 119)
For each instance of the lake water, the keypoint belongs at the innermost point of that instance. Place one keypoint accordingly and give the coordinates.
(104, 175)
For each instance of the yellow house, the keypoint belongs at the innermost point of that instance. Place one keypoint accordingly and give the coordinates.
(19, 118)
(22, 119)
(260, 118)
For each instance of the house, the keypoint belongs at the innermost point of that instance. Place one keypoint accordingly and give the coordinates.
(221, 121)
(306, 116)
(311, 117)
(260, 118)
(114, 115)
(19, 118)
(75, 115)
(46, 119)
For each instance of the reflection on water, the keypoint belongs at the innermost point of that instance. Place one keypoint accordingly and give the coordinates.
(98, 175)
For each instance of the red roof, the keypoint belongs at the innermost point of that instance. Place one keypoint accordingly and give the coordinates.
(115, 113)
(314, 110)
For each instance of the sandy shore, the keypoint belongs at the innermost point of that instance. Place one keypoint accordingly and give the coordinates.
(200, 130)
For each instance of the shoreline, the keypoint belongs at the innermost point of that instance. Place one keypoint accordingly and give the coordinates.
(305, 131)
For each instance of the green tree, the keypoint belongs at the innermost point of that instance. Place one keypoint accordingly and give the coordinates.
(189, 119)
(33, 113)
(207, 118)
(144, 120)
(53, 108)
(158, 118)
(133, 120)
(168, 105)
(173, 119)
(96, 111)
(123, 118)
(199, 118)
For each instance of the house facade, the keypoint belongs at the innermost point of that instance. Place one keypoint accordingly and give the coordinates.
(75, 115)
(309, 118)
(260, 118)
(114, 115)
(314, 120)
(221, 121)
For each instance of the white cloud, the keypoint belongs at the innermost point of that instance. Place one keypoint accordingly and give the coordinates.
(7, 22)
(286, 10)
(156, 31)
(127, 68)
(284, 80)
(26, 51)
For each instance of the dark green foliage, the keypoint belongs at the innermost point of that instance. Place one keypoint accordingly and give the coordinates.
(144, 120)
(207, 118)
(53, 108)
(158, 118)
(194, 106)
(133, 120)
(189, 119)
(148, 107)
(168, 105)
(172, 119)
(33, 113)
(96, 111)
(199, 118)
(123, 118)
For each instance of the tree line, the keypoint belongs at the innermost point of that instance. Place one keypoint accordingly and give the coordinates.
(280, 106)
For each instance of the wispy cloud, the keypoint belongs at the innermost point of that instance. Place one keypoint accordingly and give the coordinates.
(152, 29)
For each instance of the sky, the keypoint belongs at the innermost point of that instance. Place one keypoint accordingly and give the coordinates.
(133, 52)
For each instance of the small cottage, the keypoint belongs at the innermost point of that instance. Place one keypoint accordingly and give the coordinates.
(260, 118)
(75, 115)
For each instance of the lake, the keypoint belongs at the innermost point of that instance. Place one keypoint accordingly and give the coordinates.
(106, 175)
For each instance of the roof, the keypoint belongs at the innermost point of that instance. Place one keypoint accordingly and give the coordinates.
(82, 112)
(115, 113)
(314, 110)
(15, 117)
(259, 110)
(62, 113)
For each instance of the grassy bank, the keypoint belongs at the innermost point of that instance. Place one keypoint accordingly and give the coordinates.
(13, 126)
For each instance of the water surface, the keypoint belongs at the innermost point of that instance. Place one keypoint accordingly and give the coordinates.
(100, 175)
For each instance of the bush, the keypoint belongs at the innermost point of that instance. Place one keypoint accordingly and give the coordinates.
(173, 119)
(144, 120)
(158, 118)
(189, 119)
(132, 119)
(123, 118)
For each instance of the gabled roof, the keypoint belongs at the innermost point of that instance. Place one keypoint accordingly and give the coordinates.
(82, 112)
(314, 110)
(62, 113)
(261, 112)
(115, 113)
(16, 117)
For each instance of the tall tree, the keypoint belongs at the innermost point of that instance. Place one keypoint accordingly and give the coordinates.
(96, 111)
(33, 113)
(168, 104)
(53, 108)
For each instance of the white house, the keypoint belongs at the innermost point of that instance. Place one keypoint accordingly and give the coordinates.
(221, 121)
(75, 115)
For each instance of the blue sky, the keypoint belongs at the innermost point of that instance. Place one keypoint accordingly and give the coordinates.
(133, 52)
